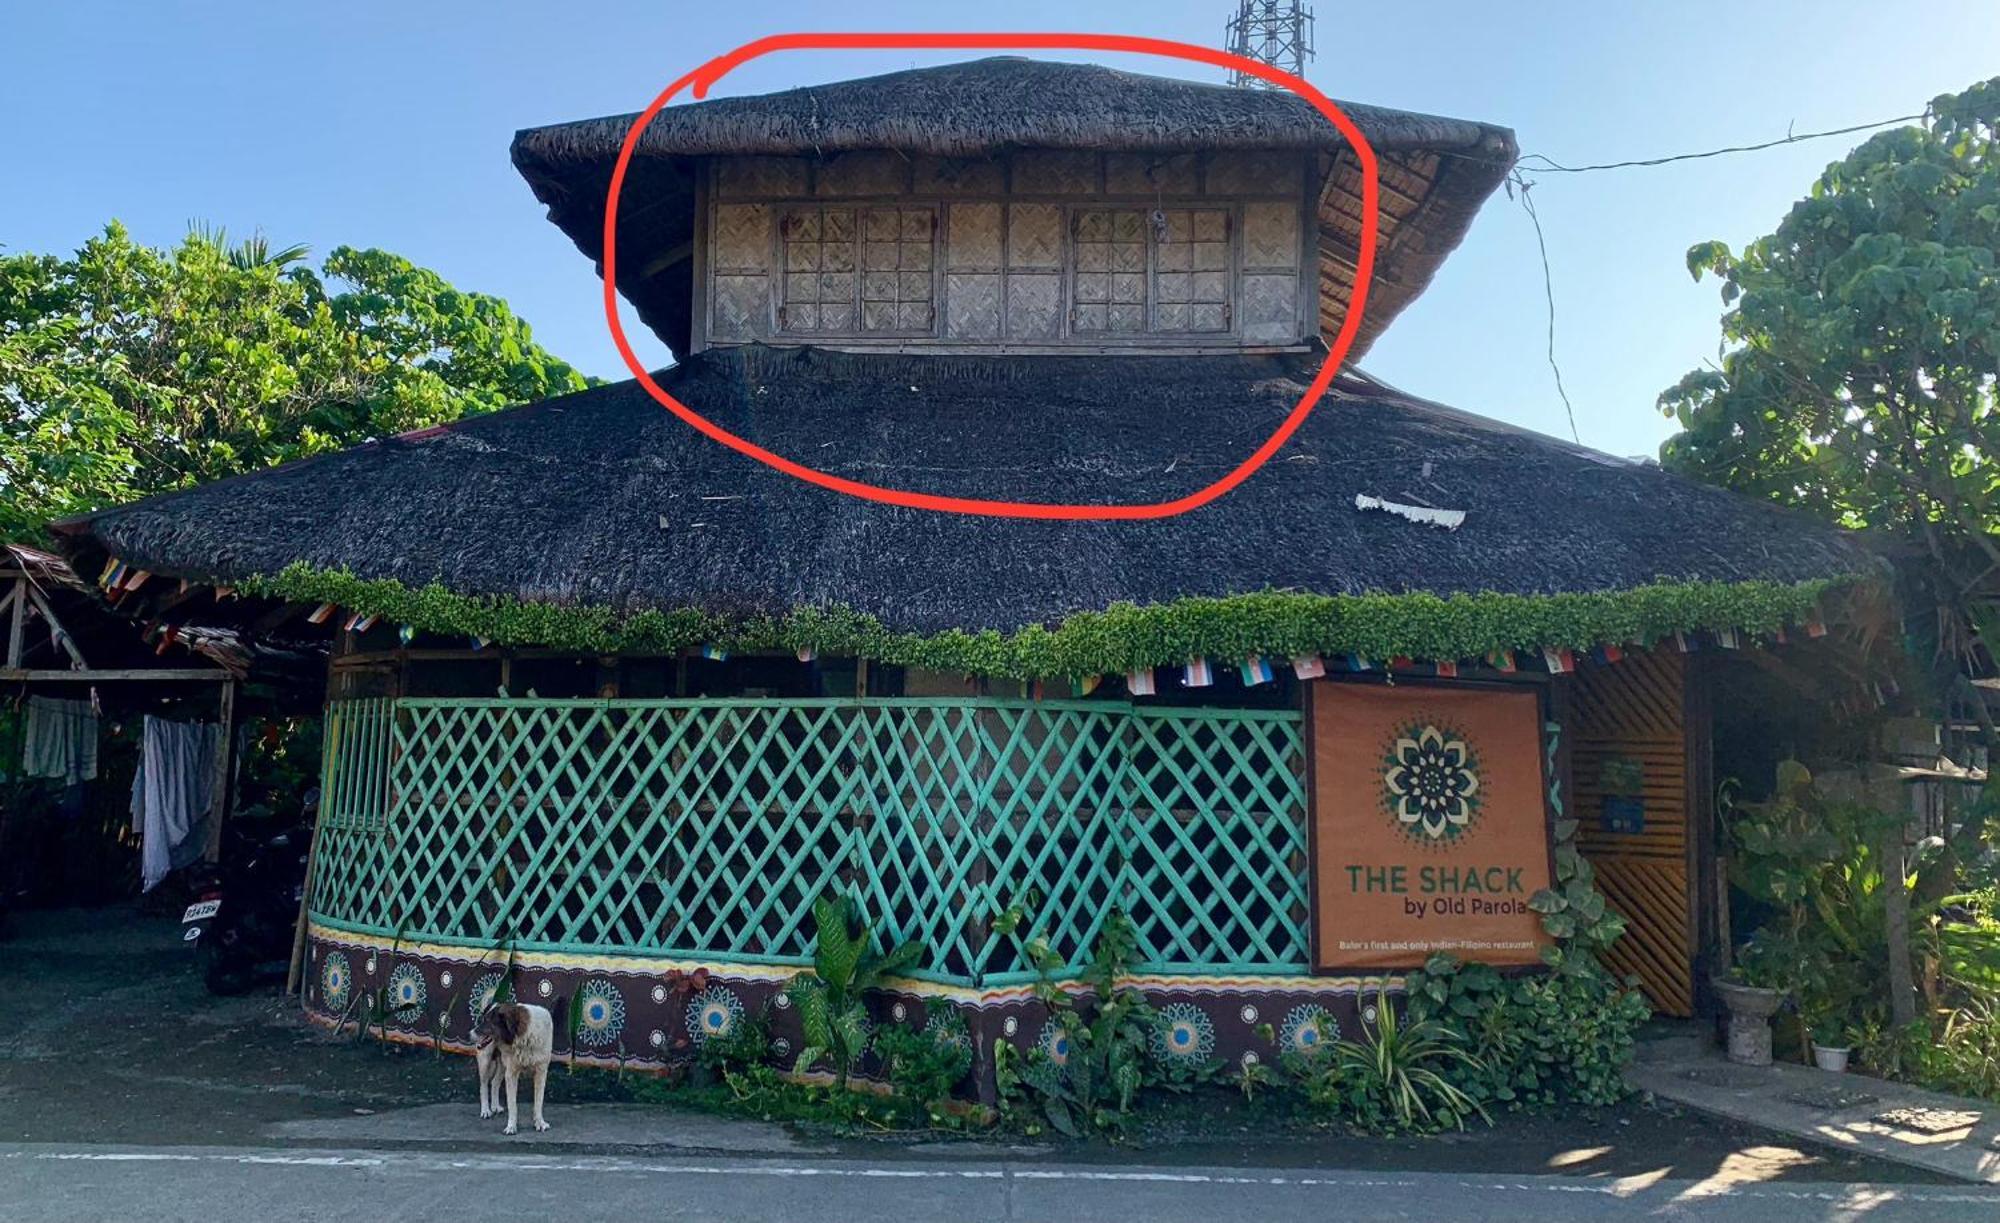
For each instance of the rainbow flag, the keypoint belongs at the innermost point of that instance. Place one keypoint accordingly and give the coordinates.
(1196, 674)
(1140, 682)
(1255, 671)
(1309, 666)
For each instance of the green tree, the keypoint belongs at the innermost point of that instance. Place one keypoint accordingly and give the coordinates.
(127, 371)
(1861, 343)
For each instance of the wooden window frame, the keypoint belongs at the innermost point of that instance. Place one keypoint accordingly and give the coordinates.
(860, 209)
(1152, 333)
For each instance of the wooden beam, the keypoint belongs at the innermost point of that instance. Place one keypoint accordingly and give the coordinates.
(56, 629)
(87, 675)
(17, 602)
(225, 772)
(679, 254)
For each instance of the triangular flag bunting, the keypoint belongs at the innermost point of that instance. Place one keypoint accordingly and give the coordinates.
(1255, 671)
(714, 653)
(1088, 684)
(137, 579)
(1448, 670)
(1560, 659)
(110, 567)
(807, 653)
(321, 614)
(1140, 682)
(1501, 660)
(365, 623)
(1399, 663)
(1357, 664)
(1196, 674)
(406, 633)
(1726, 638)
(1611, 653)
(1309, 666)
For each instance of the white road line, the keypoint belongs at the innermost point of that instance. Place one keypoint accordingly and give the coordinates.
(420, 1161)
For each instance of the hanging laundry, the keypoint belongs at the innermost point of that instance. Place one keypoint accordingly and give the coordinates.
(59, 739)
(172, 792)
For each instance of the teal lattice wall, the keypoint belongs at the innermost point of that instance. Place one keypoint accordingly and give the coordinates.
(704, 828)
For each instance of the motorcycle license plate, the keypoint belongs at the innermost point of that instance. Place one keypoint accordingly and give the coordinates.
(200, 910)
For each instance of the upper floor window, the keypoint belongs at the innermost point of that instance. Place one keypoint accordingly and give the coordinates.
(859, 270)
(1159, 270)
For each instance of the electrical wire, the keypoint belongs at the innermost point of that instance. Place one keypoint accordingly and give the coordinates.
(1517, 183)
(1550, 166)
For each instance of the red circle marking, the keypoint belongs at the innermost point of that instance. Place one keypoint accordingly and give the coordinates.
(702, 78)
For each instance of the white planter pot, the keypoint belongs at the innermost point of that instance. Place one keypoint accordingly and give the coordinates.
(1830, 1059)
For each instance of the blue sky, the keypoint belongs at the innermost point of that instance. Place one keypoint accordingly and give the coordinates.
(387, 125)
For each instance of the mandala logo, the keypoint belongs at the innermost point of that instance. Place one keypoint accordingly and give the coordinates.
(1430, 782)
(600, 1013)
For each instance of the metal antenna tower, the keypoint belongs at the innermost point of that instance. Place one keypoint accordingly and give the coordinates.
(1279, 32)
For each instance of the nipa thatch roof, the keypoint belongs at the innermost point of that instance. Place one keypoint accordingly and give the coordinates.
(604, 498)
(1435, 172)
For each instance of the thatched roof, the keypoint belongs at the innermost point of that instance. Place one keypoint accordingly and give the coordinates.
(604, 498)
(1435, 172)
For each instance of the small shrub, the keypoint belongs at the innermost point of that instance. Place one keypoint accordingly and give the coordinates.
(1403, 1076)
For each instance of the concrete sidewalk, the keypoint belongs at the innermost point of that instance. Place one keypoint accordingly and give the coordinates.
(1944, 1134)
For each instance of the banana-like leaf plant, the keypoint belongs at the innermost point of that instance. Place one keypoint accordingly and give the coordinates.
(829, 997)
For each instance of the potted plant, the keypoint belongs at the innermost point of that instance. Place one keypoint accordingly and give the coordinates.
(1831, 1056)
(1751, 1006)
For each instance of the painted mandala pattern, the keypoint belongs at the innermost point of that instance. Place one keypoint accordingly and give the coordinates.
(1307, 1030)
(406, 990)
(1054, 1042)
(1184, 1033)
(484, 991)
(945, 1027)
(336, 982)
(600, 1013)
(1430, 782)
(713, 1012)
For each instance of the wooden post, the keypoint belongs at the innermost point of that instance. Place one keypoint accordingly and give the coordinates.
(18, 600)
(225, 773)
(1896, 923)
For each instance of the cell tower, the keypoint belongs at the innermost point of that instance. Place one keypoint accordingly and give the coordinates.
(1279, 32)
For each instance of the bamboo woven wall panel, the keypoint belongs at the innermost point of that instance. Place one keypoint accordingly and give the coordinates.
(1633, 712)
(705, 829)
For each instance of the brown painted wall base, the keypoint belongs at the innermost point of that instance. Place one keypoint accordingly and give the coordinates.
(634, 1015)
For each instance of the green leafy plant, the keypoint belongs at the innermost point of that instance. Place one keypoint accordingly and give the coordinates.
(1088, 1075)
(829, 998)
(923, 1067)
(1117, 639)
(1401, 1077)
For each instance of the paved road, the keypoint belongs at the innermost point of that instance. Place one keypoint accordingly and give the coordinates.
(48, 1183)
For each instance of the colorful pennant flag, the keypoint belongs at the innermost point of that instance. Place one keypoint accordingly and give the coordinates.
(1560, 659)
(1309, 666)
(1140, 682)
(1815, 627)
(110, 567)
(115, 578)
(1726, 638)
(1357, 664)
(1501, 660)
(1088, 684)
(406, 633)
(714, 653)
(1610, 652)
(480, 643)
(807, 653)
(136, 579)
(1196, 674)
(1447, 670)
(321, 614)
(1255, 671)
(1684, 642)
(1400, 663)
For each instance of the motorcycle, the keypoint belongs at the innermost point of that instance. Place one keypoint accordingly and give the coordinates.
(242, 919)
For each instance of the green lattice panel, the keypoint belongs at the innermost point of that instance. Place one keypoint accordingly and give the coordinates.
(706, 828)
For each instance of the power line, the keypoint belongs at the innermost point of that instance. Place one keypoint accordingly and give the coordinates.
(1549, 292)
(1549, 166)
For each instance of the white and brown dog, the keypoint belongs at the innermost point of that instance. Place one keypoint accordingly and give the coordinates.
(514, 1039)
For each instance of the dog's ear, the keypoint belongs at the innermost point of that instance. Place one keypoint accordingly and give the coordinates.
(506, 1022)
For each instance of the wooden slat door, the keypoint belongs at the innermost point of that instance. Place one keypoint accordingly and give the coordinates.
(1635, 710)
